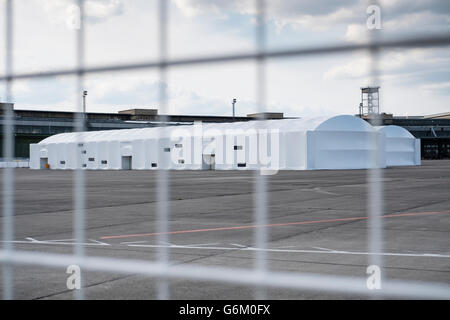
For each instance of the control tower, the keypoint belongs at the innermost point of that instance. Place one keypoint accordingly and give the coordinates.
(370, 101)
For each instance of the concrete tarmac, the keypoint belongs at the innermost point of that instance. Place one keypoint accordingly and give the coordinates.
(316, 224)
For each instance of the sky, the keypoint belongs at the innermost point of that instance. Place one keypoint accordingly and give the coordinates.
(413, 82)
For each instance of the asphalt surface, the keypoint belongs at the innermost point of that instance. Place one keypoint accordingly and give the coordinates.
(121, 217)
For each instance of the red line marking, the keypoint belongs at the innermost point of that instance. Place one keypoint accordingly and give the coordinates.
(274, 224)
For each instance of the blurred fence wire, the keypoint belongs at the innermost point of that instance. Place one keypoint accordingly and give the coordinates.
(261, 277)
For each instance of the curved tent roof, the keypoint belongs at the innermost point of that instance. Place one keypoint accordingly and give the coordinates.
(336, 123)
(345, 123)
(392, 131)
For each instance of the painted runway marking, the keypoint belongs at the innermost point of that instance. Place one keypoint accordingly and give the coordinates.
(134, 242)
(320, 248)
(408, 214)
(396, 254)
(203, 244)
(30, 240)
(230, 247)
(320, 190)
(181, 247)
(328, 251)
(238, 245)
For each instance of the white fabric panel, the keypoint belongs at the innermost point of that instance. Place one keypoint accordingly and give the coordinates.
(15, 164)
(152, 153)
(102, 156)
(344, 150)
(402, 148)
(34, 156)
(138, 154)
(91, 153)
(52, 154)
(417, 161)
(114, 156)
(71, 155)
(293, 151)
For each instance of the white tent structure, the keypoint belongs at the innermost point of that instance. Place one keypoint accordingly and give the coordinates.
(340, 142)
(402, 148)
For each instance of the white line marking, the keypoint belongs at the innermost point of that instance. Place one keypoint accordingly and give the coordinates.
(320, 248)
(182, 247)
(58, 242)
(358, 253)
(133, 242)
(238, 245)
(319, 190)
(167, 243)
(99, 242)
(202, 244)
(305, 251)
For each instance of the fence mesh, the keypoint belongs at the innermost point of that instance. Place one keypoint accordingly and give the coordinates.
(261, 277)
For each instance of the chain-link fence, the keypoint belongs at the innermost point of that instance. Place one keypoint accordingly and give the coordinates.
(261, 277)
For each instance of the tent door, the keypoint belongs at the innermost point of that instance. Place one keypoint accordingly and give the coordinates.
(44, 163)
(126, 163)
(209, 162)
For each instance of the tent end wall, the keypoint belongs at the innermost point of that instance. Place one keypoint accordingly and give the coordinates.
(418, 160)
(324, 153)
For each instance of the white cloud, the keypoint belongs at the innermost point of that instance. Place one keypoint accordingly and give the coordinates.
(126, 31)
(356, 68)
(436, 86)
(62, 11)
(315, 15)
(194, 8)
(356, 33)
(393, 62)
(314, 22)
(103, 9)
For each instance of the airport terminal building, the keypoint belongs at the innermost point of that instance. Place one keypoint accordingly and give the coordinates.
(31, 126)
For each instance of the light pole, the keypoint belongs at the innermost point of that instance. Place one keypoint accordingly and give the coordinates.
(84, 107)
(84, 101)
(233, 103)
